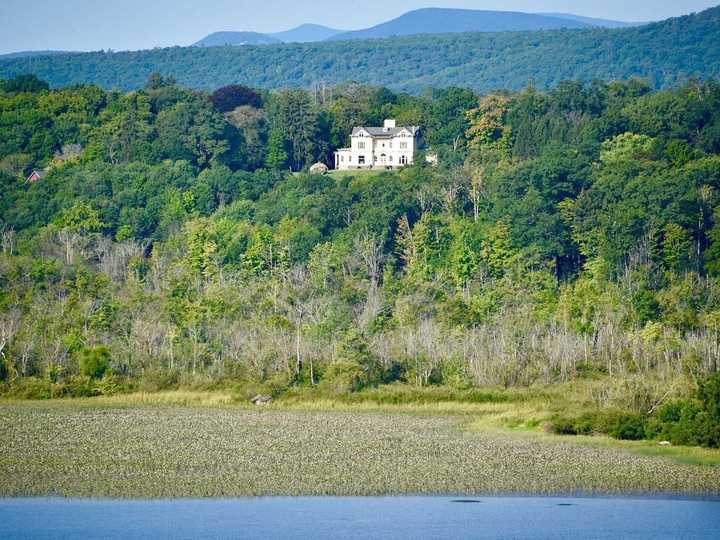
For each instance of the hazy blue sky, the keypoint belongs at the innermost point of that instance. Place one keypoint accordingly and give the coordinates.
(139, 24)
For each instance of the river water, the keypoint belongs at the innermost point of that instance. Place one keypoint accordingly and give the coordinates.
(362, 518)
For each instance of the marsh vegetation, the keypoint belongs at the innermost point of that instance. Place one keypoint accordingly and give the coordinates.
(115, 449)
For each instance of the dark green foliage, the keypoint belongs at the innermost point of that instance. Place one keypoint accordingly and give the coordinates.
(156, 81)
(693, 422)
(94, 361)
(564, 426)
(685, 422)
(3, 369)
(627, 426)
(24, 83)
(614, 423)
(665, 53)
(646, 305)
(230, 97)
(709, 395)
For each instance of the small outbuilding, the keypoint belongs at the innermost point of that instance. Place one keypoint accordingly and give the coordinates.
(36, 175)
(431, 158)
(319, 168)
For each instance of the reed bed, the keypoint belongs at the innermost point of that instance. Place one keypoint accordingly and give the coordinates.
(70, 449)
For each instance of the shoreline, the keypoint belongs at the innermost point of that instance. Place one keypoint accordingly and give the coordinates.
(699, 497)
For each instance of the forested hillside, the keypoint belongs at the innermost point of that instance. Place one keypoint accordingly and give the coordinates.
(665, 53)
(566, 235)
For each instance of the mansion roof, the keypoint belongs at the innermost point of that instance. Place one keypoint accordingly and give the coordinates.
(386, 132)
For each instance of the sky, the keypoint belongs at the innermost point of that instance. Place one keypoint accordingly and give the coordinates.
(82, 25)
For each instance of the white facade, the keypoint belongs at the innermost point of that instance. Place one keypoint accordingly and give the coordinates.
(384, 147)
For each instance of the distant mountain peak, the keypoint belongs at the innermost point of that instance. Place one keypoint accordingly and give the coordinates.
(306, 33)
(452, 20)
(218, 39)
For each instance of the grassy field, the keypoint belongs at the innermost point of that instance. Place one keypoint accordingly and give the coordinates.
(203, 445)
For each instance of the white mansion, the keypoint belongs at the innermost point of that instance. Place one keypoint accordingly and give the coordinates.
(379, 147)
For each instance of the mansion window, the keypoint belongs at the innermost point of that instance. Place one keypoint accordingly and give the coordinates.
(361, 160)
(361, 145)
(403, 160)
(403, 146)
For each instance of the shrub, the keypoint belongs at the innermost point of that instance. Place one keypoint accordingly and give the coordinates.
(627, 426)
(94, 361)
(617, 424)
(709, 394)
(31, 388)
(111, 384)
(587, 424)
(707, 430)
(694, 422)
(455, 375)
(3, 369)
(342, 377)
(671, 412)
(563, 426)
(80, 386)
(157, 380)
(692, 426)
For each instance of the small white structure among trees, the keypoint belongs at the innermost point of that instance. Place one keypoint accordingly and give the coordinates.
(386, 147)
(319, 168)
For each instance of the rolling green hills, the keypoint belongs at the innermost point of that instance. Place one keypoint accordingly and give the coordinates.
(664, 53)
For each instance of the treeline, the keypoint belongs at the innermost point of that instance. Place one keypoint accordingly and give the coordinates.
(570, 234)
(665, 53)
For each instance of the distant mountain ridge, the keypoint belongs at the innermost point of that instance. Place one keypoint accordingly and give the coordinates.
(665, 53)
(441, 21)
(421, 21)
(306, 33)
(591, 21)
(30, 54)
(218, 39)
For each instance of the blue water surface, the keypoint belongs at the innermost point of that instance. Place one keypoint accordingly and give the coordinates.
(361, 518)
